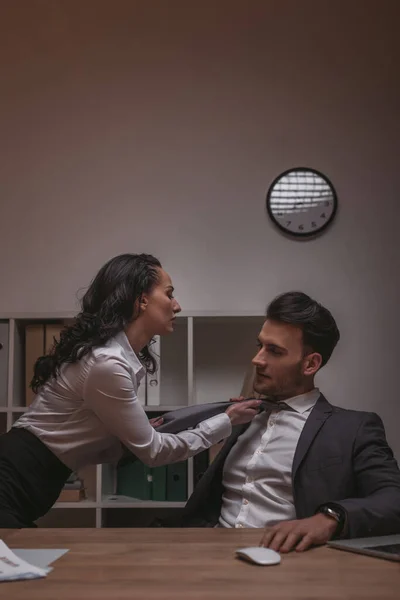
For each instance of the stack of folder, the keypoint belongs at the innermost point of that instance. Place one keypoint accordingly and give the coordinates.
(166, 483)
(39, 339)
(73, 490)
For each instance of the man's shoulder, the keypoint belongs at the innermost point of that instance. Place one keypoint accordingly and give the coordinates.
(351, 414)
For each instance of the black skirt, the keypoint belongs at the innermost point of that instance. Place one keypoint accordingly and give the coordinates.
(31, 478)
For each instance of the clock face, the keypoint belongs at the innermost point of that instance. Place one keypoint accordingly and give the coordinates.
(302, 202)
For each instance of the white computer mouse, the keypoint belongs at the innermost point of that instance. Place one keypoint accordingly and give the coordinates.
(259, 555)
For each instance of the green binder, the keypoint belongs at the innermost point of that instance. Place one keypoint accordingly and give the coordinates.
(134, 480)
(177, 482)
(159, 483)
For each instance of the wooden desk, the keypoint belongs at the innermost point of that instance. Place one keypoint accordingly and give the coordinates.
(192, 564)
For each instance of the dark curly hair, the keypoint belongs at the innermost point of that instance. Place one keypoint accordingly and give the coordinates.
(320, 332)
(109, 304)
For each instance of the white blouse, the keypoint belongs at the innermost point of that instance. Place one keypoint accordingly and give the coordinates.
(86, 412)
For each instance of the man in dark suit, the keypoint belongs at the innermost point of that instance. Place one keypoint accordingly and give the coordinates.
(306, 471)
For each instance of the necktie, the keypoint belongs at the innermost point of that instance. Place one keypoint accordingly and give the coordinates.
(268, 404)
(190, 416)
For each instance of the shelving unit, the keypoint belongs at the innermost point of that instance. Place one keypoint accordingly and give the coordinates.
(204, 360)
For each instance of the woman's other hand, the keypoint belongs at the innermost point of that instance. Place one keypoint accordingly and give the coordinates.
(156, 421)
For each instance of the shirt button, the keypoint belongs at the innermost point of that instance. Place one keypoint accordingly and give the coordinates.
(238, 525)
(245, 501)
(258, 451)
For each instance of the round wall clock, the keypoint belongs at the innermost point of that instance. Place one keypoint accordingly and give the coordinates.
(302, 202)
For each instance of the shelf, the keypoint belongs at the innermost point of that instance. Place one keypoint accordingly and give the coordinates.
(128, 502)
(118, 502)
(80, 504)
(48, 316)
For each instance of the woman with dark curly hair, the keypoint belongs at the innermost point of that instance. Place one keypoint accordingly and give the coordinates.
(86, 408)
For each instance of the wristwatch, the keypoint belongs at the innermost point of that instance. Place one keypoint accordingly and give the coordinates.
(334, 513)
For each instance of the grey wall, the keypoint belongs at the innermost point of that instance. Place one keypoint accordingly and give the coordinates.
(157, 126)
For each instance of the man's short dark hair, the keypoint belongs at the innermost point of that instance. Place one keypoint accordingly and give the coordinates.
(320, 332)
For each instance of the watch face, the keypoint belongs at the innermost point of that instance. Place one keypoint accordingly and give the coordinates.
(302, 202)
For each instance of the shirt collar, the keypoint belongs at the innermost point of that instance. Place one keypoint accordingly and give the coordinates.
(137, 366)
(303, 402)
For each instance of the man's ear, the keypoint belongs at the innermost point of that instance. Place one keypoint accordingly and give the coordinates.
(312, 363)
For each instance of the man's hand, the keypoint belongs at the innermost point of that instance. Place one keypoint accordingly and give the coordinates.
(299, 535)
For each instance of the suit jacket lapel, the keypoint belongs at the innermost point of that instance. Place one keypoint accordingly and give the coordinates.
(204, 505)
(213, 474)
(319, 414)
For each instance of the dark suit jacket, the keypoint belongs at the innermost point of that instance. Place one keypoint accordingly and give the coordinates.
(342, 457)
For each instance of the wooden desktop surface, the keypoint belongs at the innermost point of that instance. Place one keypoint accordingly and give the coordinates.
(192, 564)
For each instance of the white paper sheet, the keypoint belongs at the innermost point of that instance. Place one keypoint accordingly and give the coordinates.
(26, 563)
(39, 557)
(12, 567)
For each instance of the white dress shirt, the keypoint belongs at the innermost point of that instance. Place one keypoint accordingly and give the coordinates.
(257, 475)
(85, 413)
